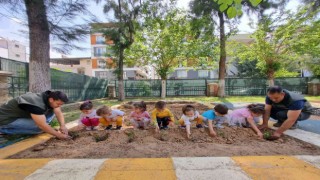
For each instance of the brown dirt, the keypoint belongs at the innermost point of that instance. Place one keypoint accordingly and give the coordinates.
(130, 143)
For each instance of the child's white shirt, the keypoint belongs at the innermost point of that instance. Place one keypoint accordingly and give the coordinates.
(115, 113)
(187, 120)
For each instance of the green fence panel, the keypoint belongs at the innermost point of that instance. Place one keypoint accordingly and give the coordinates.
(140, 88)
(186, 87)
(245, 86)
(77, 87)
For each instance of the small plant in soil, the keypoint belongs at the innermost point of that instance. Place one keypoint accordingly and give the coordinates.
(98, 137)
(131, 136)
(221, 133)
(266, 134)
(74, 135)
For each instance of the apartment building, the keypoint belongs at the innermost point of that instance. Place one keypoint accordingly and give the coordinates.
(12, 50)
(103, 65)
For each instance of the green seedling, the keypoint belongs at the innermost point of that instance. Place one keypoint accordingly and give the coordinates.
(99, 138)
(131, 136)
(266, 134)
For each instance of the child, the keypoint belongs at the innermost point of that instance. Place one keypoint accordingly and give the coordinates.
(247, 117)
(161, 116)
(190, 114)
(140, 118)
(217, 114)
(108, 116)
(88, 117)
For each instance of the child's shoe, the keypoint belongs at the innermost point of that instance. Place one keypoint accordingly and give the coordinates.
(95, 128)
(182, 127)
(109, 127)
(199, 126)
(119, 127)
(88, 128)
(165, 127)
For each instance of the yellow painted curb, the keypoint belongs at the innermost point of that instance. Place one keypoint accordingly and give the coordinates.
(277, 167)
(23, 145)
(20, 168)
(137, 169)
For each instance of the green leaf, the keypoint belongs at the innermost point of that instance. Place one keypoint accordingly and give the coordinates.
(221, 2)
(232, 12)
(228, 2)
(237, 1)
(223, 7)
(255, 2)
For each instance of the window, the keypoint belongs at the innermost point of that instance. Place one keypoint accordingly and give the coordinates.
(101, 63)
(182, 74)
(99, 51)
(16, 45)
(100, 40)
(203, 73)
(17, 55)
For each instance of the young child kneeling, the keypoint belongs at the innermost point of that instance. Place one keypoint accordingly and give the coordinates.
(190, 114)
(217, 114)
(161, 116)
(140, 118)
(247, 117)
(88, 116)
(109, 116)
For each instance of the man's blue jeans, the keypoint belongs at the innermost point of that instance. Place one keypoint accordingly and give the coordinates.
(281, 115)
(23, 126)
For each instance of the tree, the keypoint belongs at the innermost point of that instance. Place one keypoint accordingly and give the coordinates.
(233, 8)
(162, 43)
(274, 44)
(126, 14)
(47, 18)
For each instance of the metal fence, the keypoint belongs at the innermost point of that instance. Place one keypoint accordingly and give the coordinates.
(198, 87)
(77, 87)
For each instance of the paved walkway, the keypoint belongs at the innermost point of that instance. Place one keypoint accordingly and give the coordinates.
(197, 168)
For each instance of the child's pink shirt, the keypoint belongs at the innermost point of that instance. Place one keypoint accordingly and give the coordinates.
(241, 113)
(135, 115)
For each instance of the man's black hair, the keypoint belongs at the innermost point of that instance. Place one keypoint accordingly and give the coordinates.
(58, 95)
(274, 89)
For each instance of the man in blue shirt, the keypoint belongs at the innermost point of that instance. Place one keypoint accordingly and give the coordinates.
(287, 108)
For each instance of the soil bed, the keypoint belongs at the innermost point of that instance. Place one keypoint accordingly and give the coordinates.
(130, 143)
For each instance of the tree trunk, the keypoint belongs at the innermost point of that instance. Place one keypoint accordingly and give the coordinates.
(39, 34)
(270, 78)
(222, 61)
(163, 88)
(120, 76)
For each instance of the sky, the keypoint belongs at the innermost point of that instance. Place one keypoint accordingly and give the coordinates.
(11, 25)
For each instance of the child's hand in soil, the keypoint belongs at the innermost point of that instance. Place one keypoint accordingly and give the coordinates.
(260, 135)
(213, 134)
(171, 124)
(189, 135)
(157, 129)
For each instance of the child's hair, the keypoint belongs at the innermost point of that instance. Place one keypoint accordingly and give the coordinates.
(141, 105)
(87, 105)
(103, 110)
(221, 108)
(187, 108)
(256, 108)
(160, 104)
